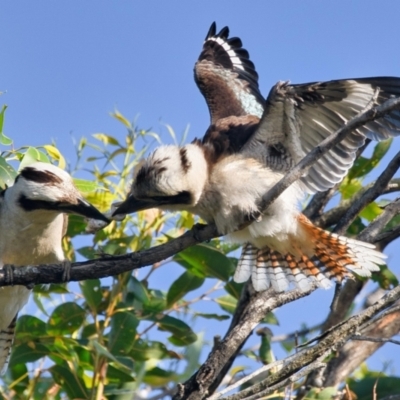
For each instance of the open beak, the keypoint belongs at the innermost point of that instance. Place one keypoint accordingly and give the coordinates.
(85, 209)
(131, 205)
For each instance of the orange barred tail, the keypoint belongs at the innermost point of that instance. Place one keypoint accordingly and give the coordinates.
(334, 257)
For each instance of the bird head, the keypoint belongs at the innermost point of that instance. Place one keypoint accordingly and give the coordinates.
(171, 178)
(42, 186)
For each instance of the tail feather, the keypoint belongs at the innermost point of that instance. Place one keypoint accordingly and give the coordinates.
(334, 257)
(6, 341)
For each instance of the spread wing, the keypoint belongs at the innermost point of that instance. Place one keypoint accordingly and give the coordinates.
(227, 78)
(298, 117)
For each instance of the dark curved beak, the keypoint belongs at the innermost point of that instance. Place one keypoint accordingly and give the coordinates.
(131, 205)
(83, 208)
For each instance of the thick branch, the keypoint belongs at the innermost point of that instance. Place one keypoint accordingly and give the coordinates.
(259, 304)
(107, 266)
(355, 352)
(331, 340)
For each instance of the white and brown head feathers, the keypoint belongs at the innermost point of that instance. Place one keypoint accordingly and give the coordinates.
(45, 187)
(172, 178)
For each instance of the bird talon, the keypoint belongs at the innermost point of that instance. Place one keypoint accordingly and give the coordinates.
(8, 274)
(196, 232)
(66, 275)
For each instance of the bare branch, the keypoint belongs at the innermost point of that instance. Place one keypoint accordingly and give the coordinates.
(253, 308)
(107, 266)
(331, 340)
(375, 340)
(334, 215)
(370, 195)
(355, 352)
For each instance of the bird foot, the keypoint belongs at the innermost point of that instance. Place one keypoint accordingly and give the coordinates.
(66, 275)
(8, 274)
(196, 232)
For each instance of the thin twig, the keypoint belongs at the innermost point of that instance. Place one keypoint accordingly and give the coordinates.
(370, 195)
(376, 340)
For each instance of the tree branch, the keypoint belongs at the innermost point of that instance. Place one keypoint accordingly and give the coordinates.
(334, 215)
(253, 311)
(106, 266)
(109, 266)
(329, 341)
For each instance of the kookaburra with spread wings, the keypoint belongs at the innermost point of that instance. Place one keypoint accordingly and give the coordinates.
(250, 144)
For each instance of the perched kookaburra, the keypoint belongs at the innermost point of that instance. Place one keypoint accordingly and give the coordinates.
(32, 225)
(247, 149)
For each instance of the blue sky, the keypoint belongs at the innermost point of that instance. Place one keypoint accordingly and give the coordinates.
(64, 66)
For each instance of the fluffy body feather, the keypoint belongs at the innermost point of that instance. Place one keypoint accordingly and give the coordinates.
(32, 224)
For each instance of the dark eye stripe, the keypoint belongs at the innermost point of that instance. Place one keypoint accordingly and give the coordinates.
(31, 205)
(183, 197)
(32, 174)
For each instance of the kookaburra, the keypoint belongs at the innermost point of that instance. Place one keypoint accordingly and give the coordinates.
(250, 144)
(32, 225)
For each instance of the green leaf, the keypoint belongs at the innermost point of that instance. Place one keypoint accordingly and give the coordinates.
(76, 225)
(234, 288)
(325, 394)
(56, 155)
(138, 291)
(381, 149)
(362, 166)
(350, 188)
(106, 139)
(118, 375)
(218, 317)
(4, 140)
(385, 277)
(265, 352)
(117, 115)
(85, 186)
(227, 303)
(385, 386)
(182, 334)
(147, 350)
(270, 319)
(31, 156)
(159, 377)
(183, 285)
(70, 382)
(203, 261)
(371, 211)
(123, 332)
(20, 377)
(7, 173)
(105, 353)
(88, 252)
(91, 290)
(91, 330)
(66, 319)
(30, 327)
(28, 352)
